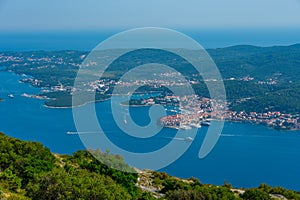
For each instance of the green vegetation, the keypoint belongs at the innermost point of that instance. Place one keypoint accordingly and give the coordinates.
(175, 188)
(265, 192)
(285, 100)
(30, 171)
(74, 184)
(63, 99)
(274, 72)
(289, 194)
(51, 67)
(261, 63)
(255, 194)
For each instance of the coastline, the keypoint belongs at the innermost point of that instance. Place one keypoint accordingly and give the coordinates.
(101, 100)
(243, 122)
(174, 127)
(121, 104)
(261, 124)
(77, 106)
(278, 128)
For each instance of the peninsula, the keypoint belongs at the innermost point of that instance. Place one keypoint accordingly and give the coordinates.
(194, 111)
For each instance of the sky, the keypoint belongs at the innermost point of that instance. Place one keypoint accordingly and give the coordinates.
(52, 15)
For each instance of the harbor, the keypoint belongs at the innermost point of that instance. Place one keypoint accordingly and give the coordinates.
(185, 121)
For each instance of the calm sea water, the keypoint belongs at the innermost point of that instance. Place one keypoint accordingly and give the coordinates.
(245, 156)
(87, 40)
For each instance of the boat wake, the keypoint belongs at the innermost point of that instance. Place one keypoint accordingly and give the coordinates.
(179, 138)
(239, 135)
(83, 132)
(189, 139)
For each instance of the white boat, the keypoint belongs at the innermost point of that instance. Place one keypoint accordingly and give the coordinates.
(82, 132)
(125, 121)
(205, 123)
(72, 133)
(11, 96)
(195, 125)
(185, 127)
(189, 139)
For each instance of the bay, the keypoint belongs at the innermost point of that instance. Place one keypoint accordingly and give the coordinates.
(245, 155)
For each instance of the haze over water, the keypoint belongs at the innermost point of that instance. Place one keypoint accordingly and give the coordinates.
(87, 40)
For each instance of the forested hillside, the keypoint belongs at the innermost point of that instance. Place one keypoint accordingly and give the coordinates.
(256, 79)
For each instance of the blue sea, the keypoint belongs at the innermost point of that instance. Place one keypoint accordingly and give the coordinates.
(87, 40)
(245, 155)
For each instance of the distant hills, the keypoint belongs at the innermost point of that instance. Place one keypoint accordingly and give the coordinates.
(277, 62)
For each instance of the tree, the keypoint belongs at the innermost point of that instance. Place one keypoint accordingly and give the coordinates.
(255, 194)
(81, 184)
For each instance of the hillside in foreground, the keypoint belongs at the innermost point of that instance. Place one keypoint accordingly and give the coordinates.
(28, 170)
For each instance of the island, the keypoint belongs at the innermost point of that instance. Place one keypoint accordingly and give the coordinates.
(262, 83)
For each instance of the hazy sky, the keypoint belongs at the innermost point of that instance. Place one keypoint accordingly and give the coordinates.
(26, 15)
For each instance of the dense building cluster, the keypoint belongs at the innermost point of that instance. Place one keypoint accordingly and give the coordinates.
(195, 110)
